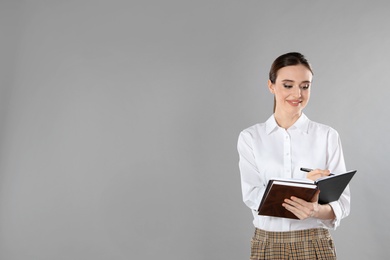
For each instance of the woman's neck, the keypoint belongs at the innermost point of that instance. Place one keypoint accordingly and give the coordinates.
(285, 120)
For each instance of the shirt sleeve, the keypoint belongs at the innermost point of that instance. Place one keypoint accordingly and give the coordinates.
(336, 164)
(251, 184)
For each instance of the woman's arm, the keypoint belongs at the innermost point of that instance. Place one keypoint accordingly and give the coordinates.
(304, 209)
(251, 184)
(334, 211)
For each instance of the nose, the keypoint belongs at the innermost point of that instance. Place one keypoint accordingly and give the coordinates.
(298, 91)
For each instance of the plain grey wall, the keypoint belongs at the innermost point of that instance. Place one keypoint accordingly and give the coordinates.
(119, 121)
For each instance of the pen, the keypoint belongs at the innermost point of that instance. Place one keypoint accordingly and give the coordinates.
(309, 170)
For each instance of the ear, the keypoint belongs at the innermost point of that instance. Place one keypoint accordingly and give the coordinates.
(271, 87)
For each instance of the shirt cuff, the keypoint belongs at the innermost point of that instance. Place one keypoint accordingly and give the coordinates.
(337, 212)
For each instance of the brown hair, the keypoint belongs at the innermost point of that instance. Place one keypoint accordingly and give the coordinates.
(288, 59)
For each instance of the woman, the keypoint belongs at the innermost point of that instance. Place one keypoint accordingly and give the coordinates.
(287, 141)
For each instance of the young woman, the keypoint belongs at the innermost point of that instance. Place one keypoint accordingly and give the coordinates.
(287, 141)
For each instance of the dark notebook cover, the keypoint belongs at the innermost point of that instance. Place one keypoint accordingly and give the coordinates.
(331, 188)
(275, 194)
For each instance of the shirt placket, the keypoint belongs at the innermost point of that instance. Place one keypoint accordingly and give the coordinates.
(287, 155)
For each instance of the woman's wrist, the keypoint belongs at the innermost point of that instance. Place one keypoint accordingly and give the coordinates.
(324, 212)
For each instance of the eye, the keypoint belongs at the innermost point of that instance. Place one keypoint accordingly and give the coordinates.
(305, 87)
(287, 86)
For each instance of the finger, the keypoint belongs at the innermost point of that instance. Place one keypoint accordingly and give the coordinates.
(314, 175)
(295, 206)
(293, 202)
(304, 203)
(293, 210)
(299, 207)
(317, 173)
(309, 208)
(324, 172)
(296, 211)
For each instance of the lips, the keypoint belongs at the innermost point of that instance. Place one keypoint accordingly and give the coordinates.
(294, 103)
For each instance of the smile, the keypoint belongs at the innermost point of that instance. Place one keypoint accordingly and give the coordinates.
(294, 102)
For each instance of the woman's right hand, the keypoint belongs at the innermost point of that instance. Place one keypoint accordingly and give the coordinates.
(317, 173)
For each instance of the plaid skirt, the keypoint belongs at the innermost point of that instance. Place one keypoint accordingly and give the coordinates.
(302, 244)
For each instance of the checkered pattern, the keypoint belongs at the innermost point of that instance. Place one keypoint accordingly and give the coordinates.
(303, 244)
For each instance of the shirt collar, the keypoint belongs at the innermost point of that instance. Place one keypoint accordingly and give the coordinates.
(301, 124)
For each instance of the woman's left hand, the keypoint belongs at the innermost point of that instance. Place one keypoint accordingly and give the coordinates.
(301, 208)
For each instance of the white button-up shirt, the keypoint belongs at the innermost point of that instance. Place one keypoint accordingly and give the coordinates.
(268, 151)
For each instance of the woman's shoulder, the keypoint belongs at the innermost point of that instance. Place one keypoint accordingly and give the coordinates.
(250, 134)
(253, 132)
(254, 128)
(260, 128)
(321, 127)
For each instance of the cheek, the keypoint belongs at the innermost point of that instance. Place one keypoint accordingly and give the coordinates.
(279, 96)
(282, 92)
(306, 99)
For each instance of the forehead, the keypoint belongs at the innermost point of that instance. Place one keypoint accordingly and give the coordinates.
(296, 73)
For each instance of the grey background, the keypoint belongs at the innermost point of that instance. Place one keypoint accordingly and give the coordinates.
(119, 121)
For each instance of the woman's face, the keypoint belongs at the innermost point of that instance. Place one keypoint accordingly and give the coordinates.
(291, 89)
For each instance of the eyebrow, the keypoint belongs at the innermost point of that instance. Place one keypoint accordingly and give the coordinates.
(289, 80)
